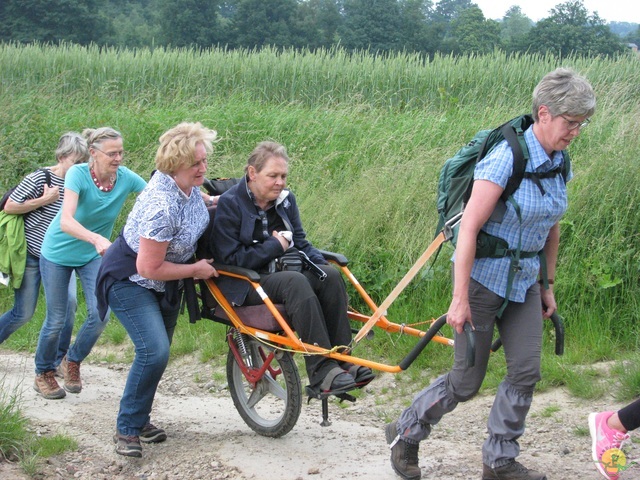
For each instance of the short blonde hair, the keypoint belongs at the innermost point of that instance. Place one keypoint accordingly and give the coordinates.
(178, 146)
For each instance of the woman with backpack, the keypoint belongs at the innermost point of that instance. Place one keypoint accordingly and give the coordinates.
(563, 102)
(38, 198)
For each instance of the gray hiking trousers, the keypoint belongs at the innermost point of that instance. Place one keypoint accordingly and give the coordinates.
(520, 329)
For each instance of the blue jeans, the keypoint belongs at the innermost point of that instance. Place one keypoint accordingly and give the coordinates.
(25, 300)
(55, 279)
(150, 326)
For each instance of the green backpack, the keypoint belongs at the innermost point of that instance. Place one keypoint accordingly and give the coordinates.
(456, 181)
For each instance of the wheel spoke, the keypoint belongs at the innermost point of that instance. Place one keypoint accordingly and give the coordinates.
(274, 387)
(257, 394)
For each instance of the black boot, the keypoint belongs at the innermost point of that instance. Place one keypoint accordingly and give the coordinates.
(404, 455)
(511, 471)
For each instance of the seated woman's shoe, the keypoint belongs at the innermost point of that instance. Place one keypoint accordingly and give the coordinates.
(337, 381)
(343, 383)
(361, 375)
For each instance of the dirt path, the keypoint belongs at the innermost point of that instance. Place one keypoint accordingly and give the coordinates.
(209, 440)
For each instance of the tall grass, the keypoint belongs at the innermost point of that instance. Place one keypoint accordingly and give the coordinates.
(323, 78)
(367, 135)
(18, 443)
(13, 425)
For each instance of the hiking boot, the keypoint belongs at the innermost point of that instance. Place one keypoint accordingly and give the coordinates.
(71, 373)
(47, 386)
(404, 455)
(152, 434)
(128, 445)
(511, 471)
(603, 440)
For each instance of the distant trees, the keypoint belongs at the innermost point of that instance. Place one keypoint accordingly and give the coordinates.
(633, 37)
(264, 22)
(188, 22)
(470, 32)
(570, 29)
(317, 22)
(77, 21)
(417, 33)
(514, 29)
(371, 24)
(425, 26)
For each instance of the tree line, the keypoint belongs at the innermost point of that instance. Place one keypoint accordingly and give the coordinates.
(456, 27)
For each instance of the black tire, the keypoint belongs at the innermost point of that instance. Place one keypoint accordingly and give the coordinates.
(271, 408)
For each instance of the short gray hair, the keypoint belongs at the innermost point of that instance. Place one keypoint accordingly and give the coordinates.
(98, 135)
(72, 144)
(263, 152)
(563, 91)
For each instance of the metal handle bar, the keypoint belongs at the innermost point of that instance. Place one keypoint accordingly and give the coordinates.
(435, 327)
(559, 327)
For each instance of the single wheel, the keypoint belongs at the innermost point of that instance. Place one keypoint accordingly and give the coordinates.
(271, 404)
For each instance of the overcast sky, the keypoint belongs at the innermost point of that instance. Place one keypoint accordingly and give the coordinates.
(609, 10)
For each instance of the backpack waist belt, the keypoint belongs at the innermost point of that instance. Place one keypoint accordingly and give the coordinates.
(511, 252)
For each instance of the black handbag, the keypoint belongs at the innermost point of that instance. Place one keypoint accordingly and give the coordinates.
(289, 261)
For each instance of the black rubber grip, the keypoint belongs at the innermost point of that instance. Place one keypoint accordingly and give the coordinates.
(433, 330)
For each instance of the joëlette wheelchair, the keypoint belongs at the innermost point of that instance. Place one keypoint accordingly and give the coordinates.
(262, 376)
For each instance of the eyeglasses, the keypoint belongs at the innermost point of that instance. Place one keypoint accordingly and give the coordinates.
(112, 155)
(572, 124)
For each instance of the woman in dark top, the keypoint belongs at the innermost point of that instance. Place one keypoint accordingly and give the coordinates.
(256, 221)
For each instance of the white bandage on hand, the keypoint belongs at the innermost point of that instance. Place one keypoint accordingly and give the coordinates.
(287, 235)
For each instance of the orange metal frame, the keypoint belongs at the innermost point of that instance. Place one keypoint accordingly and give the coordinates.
(288, 339)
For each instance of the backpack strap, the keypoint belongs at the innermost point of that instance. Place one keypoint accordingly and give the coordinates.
(536, 176)
(514, 265)
(47, 176)
(515, 139)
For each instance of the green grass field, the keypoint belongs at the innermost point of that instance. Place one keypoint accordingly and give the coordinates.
(367, 136)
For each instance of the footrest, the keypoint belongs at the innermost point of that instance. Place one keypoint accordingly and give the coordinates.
(319, 395)
(347, 397)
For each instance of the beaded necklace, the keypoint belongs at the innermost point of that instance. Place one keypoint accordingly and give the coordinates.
(112, 182)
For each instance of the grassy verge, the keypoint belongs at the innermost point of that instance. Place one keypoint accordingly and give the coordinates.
(18, 443)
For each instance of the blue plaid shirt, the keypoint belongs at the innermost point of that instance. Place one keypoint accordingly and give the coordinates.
(539, 213)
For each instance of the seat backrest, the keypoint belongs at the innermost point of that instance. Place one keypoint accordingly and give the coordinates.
(217, 186)
(204, 249)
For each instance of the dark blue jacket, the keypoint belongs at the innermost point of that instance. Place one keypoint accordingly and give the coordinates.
(235, 242)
